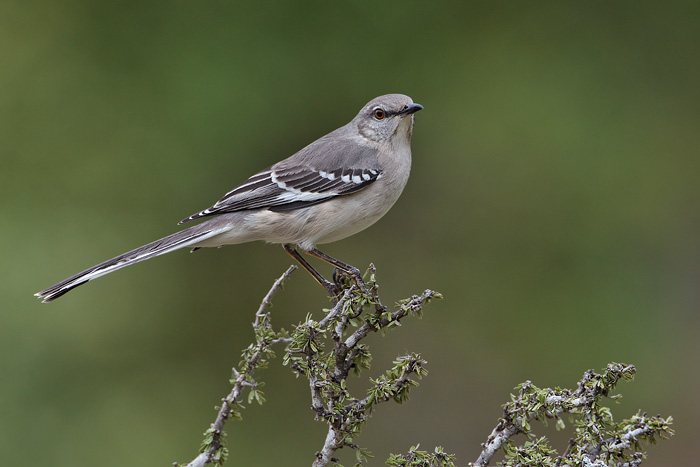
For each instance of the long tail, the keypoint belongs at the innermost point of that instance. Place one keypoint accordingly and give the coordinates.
(182, 239)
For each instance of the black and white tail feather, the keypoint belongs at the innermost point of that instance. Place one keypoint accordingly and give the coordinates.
(167, 244)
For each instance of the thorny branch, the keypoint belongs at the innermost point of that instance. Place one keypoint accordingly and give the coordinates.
(598, 441)
(328, 371)
(213, 449)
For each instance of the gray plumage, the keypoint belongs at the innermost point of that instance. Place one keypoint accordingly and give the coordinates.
(333, 188)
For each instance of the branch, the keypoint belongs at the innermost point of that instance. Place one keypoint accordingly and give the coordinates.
(597, 441)
(327, 372)
(412, 305)
(213, 450)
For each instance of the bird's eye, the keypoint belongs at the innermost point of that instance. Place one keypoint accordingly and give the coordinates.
(379, 113)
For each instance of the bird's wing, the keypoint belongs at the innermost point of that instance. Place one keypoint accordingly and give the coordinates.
(289, 187)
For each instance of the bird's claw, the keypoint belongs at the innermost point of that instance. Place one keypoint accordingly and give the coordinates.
(352, 274)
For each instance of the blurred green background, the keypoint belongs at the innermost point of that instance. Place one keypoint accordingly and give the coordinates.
(553, 201)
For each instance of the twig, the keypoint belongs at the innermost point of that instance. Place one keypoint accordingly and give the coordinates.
(214, 450)
(345, 418)
(589, 445)
(413, 305)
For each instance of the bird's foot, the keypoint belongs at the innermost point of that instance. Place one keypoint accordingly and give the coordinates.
(352, 274)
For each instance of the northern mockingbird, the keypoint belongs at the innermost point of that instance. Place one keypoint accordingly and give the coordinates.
(333, 188)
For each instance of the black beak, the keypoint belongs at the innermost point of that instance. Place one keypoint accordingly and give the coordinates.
(410, 109)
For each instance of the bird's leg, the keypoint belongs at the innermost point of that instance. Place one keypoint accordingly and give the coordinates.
(332, 288)
(342, 267)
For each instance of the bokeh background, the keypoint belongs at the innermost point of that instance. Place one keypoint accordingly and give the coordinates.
(554, 201)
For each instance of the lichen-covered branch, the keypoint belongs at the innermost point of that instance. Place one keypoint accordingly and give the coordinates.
(328, 351)
(213, 450)
(356, 314)
(597, 439)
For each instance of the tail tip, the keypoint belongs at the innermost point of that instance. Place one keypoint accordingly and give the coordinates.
(43, 296)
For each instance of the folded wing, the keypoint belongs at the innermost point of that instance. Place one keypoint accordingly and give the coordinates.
(290, 187)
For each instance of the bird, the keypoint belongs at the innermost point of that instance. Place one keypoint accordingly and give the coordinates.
(331, 189)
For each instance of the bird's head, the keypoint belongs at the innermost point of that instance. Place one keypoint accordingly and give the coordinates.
(387, 117)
